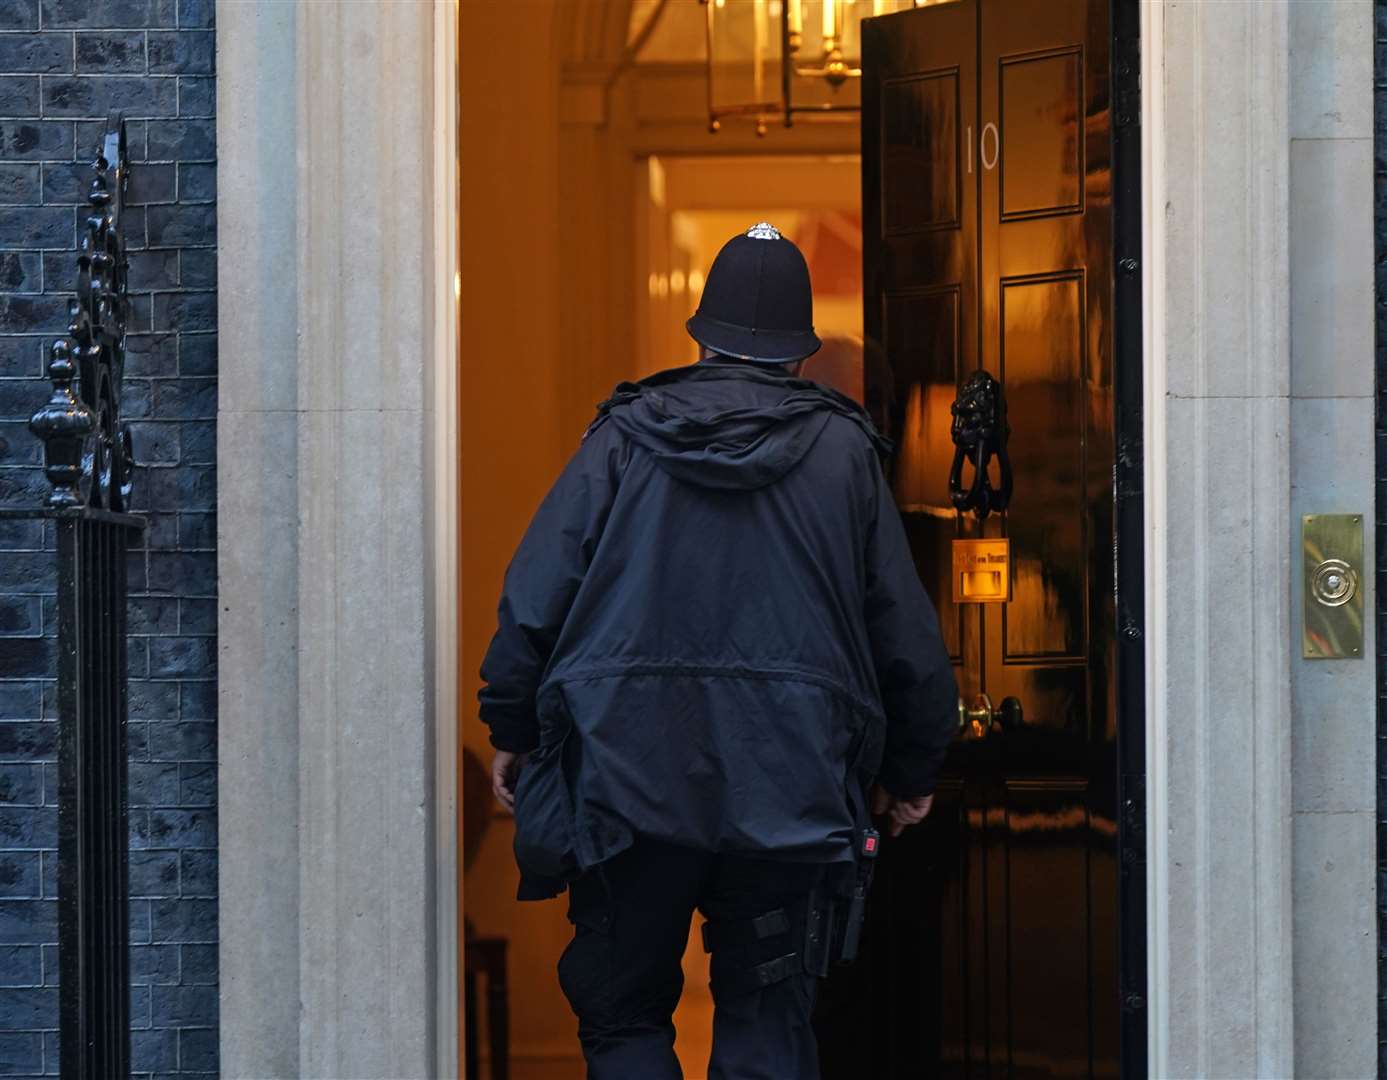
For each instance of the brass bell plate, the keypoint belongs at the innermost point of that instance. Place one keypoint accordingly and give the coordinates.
(1332, 620)
(982, 571)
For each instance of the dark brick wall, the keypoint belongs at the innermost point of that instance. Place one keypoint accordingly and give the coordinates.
(63, 65)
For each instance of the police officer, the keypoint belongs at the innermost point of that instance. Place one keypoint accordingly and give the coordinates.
(710, 640)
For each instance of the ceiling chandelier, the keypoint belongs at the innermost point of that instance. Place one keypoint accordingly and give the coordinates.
(781, 59)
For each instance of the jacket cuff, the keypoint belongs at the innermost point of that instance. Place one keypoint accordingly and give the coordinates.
(516, 738)
(902, 785)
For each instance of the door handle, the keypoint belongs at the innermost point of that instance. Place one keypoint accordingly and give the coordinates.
(977, 721)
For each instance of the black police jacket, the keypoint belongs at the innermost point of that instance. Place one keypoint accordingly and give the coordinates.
(713, 631)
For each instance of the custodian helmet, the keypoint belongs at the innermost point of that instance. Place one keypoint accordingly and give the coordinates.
(757, 303)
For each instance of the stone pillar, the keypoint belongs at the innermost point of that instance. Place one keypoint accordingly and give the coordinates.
(257, 508)
(1334, 739)
(1218, 380)
(330, 943)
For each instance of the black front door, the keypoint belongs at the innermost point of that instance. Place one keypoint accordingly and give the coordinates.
(992, 939)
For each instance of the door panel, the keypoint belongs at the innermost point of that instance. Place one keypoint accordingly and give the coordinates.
(991, 941)
(1039, 98)
(922, 181)
(921, 327)
(1047, 828)
(1041, 364)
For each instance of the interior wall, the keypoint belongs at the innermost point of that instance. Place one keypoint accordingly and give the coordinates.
(596, 240)
(510, 439)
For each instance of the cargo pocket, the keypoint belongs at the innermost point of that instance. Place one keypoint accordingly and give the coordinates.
(545, 846)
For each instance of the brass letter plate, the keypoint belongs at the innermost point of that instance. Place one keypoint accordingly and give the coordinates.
(1332, 622)
(982, 571)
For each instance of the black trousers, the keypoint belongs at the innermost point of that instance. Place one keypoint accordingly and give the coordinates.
(623, 977)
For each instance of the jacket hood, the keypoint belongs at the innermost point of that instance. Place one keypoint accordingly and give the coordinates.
(730, 426)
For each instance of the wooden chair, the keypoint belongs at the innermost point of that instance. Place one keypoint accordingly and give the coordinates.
(483, 956)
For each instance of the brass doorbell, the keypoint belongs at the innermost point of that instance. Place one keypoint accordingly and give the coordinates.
(1332, 622)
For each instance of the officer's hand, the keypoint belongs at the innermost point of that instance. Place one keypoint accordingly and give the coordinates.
(505, 770)
(901, 813)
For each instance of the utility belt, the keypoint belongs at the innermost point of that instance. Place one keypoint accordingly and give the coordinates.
(808, 937)
(844, 908)
(838, 909)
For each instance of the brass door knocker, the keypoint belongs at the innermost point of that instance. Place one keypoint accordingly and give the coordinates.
(980, 433)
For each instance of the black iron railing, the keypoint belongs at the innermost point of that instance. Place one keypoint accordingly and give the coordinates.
(88, 460)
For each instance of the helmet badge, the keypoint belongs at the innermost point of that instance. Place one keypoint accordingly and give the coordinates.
(763, 230)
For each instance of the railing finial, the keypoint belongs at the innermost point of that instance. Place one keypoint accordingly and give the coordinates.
(87, 450)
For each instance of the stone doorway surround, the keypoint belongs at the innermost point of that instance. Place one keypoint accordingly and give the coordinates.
(1217, 362)
(338, 871)
(338, 390)
(1258, 125)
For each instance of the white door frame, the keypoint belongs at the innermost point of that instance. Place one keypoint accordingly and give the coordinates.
(447, 287)
(1153, 478)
